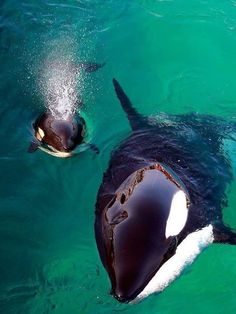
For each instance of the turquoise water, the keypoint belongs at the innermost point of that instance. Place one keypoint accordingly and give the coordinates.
(170, 56)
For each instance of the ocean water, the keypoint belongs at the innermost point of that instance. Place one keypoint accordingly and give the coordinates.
(173, 56)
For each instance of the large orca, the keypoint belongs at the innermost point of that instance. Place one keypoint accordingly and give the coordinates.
(60, 135)
(161, 199)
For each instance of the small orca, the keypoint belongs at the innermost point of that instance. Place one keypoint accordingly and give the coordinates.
(59, 136)
(161, 199)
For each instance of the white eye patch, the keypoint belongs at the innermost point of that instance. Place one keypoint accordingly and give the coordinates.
(40, 134)
(178, 214)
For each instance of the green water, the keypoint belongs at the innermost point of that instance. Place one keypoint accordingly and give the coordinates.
(171, 56)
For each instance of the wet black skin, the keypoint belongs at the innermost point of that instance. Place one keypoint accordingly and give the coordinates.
(133, 202)
(63, 135)
(142, 203)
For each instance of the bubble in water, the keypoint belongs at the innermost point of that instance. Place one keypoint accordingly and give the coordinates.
(59, 80)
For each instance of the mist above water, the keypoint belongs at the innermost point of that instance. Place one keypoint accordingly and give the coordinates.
(60, 82)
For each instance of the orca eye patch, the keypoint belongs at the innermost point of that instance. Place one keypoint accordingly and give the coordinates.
(40, 134)
(178, 214)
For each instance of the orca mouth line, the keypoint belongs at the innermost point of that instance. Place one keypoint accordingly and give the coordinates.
(56, 153)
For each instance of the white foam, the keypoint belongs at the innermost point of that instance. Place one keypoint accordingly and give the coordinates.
(178, 214)
(185, 254)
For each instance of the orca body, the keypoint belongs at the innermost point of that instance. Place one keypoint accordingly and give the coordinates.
(161, 199)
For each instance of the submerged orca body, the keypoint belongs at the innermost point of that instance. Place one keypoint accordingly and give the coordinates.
(161, 199)
(59, 136)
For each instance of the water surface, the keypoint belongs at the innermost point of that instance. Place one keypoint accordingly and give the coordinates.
(171, 56)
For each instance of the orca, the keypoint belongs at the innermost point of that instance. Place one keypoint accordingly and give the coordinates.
(59, 135)
(160, 202)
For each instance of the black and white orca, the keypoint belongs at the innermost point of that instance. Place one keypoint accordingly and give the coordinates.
(59, 136)
(161, 199)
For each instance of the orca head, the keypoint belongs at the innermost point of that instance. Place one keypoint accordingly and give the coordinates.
(136, 233)
(59, 135)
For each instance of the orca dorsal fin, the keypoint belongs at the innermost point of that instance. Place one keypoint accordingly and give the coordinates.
(136, 120)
